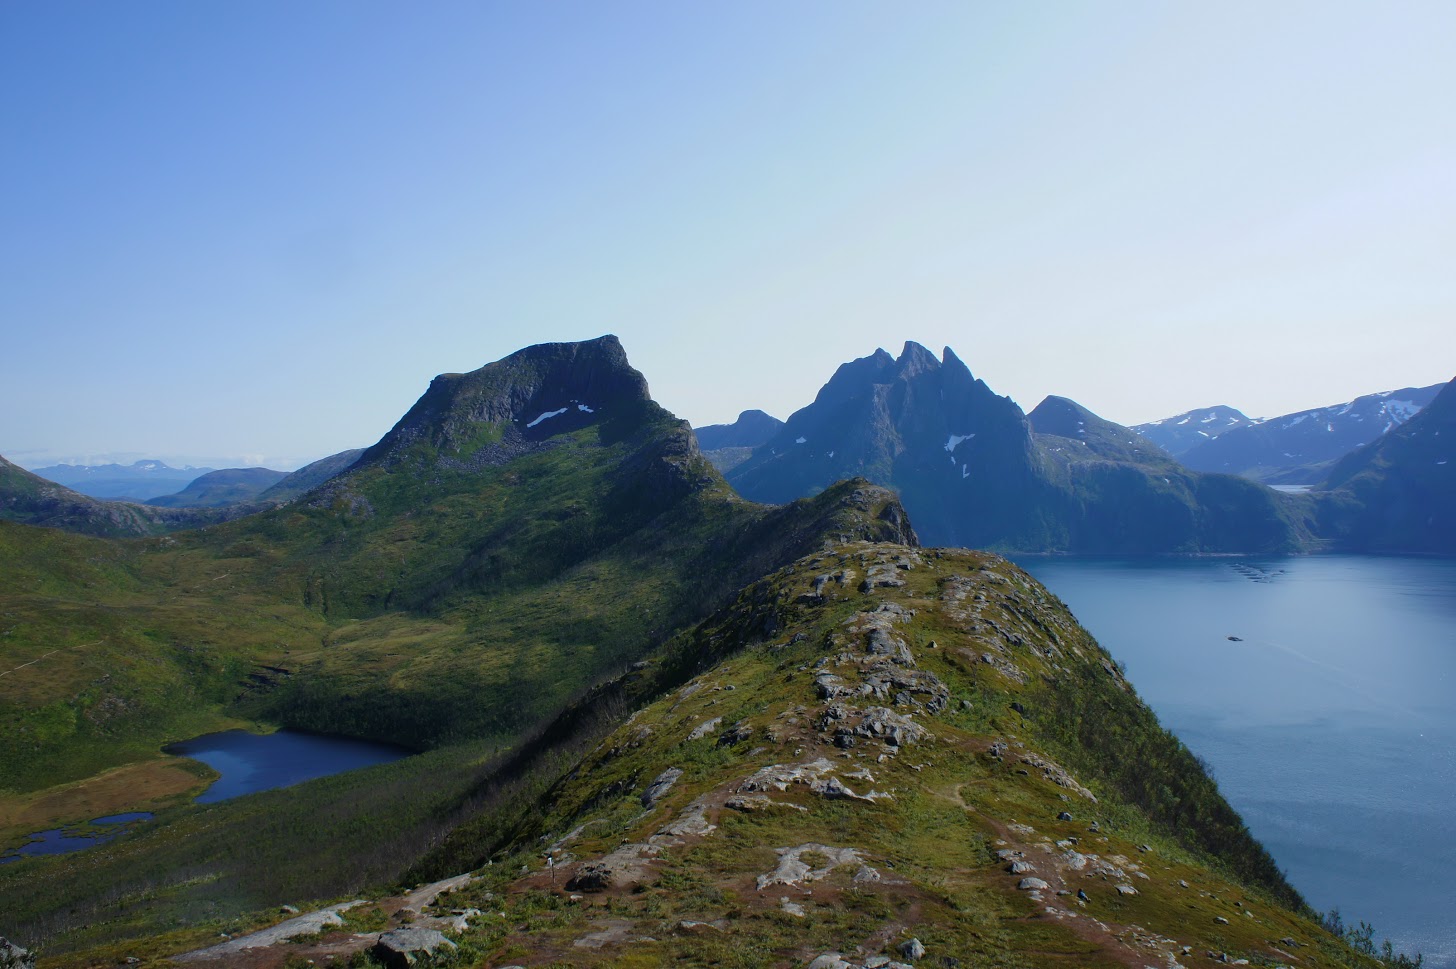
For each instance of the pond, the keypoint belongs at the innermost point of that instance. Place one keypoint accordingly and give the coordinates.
(250, 762)
(60, 841)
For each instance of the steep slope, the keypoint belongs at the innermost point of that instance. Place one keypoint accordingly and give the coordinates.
(1298, 448)
(1398, 493)
(879, 755)
(310, 476)
(230, 486)
(974, 471)
(138, 481)
(1182, 432)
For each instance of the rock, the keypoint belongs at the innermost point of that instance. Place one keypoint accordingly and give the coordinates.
(1126, 890)
(830, 960)
(1219, 919)
(1021, 867)
(912, 950)
(13, 956)
(793, 870)
(1031, 884)
(736, 734)
(703, 729)
(590, 878)
(402, 948)
(660, 786)
(288, 909)
(1064, 816)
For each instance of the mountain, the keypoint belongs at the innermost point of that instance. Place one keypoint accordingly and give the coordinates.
(230, 486)
(752, 428)
(880, 755)
(1081, 430)
(729, 445)
(140, 480)
(1299, 448)
(1398, 493)
(1187, 430)
(310, 476)
(974, 471)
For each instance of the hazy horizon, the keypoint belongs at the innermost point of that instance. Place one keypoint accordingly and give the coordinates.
(251, 234)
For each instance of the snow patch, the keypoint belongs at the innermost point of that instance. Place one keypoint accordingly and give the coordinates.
(800, 440)
(954, 441)
(547, 416)
(585, 409)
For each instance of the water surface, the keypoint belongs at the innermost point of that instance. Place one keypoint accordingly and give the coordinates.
(250, 762)
(60, 841)
(1329, 726)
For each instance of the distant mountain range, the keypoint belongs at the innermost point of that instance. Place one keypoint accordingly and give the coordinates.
(1185, 431)
(973, 470)
(1297, 448)
(140, 480)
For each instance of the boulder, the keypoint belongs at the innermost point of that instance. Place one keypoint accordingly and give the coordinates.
(13, 956)
(660, 786)
(912, 950)
(402, 948)
(1030, 884)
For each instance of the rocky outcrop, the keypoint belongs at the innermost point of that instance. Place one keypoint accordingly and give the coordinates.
(12, 956)
(406, 947)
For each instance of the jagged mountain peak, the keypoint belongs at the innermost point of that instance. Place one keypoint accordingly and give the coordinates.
(915, 359)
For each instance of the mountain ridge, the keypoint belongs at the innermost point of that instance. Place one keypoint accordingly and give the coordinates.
(896, 420)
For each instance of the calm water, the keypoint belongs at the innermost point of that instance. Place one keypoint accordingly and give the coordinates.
(60, 841)
(1330, 727)
(251, 762)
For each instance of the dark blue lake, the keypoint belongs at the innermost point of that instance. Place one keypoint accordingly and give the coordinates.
(1330, 725)
(250, 762)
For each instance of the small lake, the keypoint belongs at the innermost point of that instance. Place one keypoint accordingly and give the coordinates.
(1329, 724)
(247, 762)
(250, 762)
(60, 841)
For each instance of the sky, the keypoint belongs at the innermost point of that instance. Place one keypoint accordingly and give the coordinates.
(250, 233)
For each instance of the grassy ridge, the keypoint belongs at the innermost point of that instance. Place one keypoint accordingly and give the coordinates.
(954, 800)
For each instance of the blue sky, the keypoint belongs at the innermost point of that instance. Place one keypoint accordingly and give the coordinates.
(250, 233)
